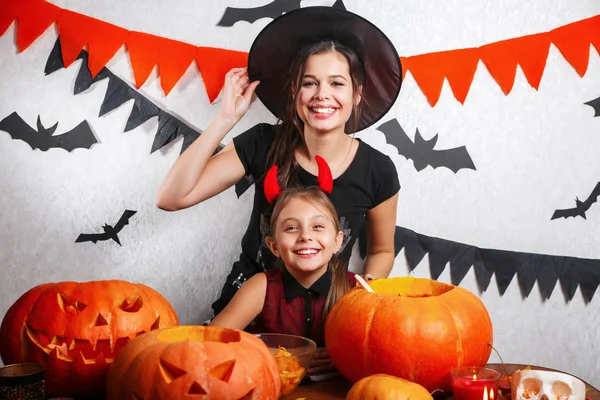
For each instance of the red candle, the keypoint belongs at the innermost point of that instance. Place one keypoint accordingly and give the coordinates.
(474, 383)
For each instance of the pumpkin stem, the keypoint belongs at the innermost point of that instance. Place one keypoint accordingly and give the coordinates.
(503, 366)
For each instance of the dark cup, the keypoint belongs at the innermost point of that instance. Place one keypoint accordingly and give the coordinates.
(22, 382)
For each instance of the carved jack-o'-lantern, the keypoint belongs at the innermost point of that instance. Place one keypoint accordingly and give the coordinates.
(75, 330)
(188, 361)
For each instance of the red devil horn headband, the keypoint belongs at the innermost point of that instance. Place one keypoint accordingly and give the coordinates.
(324, 180)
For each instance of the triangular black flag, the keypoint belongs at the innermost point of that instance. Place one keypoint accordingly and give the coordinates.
(141, 112)
(461, 263)
(528, 268)
(483, 272)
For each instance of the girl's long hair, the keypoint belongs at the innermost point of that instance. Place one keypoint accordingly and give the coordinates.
(314, 195)
(289, 133)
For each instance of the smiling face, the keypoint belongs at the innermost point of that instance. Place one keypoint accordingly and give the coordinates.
(305, 236)
(326, 96)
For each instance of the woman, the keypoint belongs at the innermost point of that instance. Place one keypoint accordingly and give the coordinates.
(339, 74)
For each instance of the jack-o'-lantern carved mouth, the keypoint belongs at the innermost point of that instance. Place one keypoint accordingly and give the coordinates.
(90, 351)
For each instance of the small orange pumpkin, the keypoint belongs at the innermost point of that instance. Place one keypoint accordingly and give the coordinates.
(382, 386)
(413, 328)
(188, 361)
(75, 329)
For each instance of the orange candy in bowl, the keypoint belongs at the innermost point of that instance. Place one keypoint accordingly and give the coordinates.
(292, 354)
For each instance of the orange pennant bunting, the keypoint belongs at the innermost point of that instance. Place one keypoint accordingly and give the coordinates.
(10, 12)
(501, 61)
(457, 66)
(102, 39)
(574, 40)
(33, 18)
(172, 57)
(404, 64)
(533, 54)
(530, 52)
(214, 64)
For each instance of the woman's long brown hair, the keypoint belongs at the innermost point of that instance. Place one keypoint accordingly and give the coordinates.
(289, 133)
(314, 195)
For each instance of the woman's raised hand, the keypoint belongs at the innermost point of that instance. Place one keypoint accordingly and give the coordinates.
(237, 94)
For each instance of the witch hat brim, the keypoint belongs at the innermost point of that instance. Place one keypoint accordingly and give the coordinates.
(276, 45)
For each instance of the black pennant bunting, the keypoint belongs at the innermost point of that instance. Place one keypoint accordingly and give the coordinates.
(588, 278)
(119, 92)
(568, 280)
(116, 95)
(529, 268)
(438, 259)
(483, 272)
(55, 61)
(505, 267)
(141, 112)
(548, 275)
(461, 263)
(84, 78)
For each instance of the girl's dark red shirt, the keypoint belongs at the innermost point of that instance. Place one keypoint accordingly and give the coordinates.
(292, 309)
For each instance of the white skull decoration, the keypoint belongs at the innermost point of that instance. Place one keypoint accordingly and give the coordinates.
(546, 385)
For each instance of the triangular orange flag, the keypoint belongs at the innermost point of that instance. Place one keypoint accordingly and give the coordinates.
(533, 54)
(214, 64)
(530, 52)
(33, 18)
(429, 78)
(574, 41)
(458, 66)
(102, 39)
(10, 12)
(501, 61)
(404, 65)
(172, 57)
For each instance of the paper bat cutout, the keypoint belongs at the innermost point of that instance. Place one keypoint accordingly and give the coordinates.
(80, 137)
(595, 104)
(580, 206)
(422, 151)
(271, 10)
(109, 231)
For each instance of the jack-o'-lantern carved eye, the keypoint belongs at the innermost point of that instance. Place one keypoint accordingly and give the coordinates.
(132, 304)
(70, 305)
(170, 372)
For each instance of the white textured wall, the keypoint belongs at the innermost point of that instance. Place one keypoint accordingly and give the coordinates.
(533, 150)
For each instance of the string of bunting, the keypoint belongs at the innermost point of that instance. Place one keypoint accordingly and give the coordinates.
(173, 57)
(546, 270)
(119, 92)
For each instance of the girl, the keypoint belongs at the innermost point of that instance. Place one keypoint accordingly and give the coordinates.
(343, 75)
(295, 298)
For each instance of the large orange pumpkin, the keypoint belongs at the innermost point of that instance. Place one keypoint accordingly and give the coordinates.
(382, 386)
(75, 329)
(188, 361)
(413, 328)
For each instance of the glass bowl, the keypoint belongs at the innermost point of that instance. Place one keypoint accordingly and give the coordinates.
(292, 354)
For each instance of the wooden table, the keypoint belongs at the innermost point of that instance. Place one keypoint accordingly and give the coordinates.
(337, 389)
